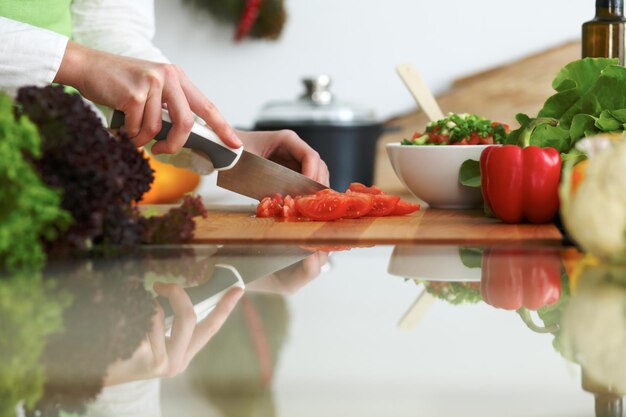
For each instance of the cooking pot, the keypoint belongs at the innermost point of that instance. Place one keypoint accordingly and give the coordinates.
(344, 134)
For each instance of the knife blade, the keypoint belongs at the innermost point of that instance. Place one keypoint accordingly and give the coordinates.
(257, 177)
(238, 170)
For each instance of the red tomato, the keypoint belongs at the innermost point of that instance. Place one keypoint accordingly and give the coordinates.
(289, 208)
(327, 206)
(436, 138)
(404, 207)
(357, 187)
(383, 205)
(270, 206)
(359, 204)
(506, 127)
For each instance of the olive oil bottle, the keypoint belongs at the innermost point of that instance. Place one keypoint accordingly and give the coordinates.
(605, 35)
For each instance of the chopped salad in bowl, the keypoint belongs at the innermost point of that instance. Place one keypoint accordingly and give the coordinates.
(460, 129)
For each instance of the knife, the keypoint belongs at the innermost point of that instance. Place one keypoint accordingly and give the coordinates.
(238, 170)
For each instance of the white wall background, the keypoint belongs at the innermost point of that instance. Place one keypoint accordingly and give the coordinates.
(358, 42)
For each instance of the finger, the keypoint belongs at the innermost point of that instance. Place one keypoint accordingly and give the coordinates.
(308, 158)
(182, 119)
(157, 340)
(151, 123)
(214, 321)
(209, 113)
(183, 326)
(324, 175)
(133, 115)
(294, 279)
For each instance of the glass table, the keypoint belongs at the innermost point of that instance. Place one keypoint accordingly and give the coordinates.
(317, 331)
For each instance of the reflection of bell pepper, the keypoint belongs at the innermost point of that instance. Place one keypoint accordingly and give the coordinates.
(520, 183)
(513, 278)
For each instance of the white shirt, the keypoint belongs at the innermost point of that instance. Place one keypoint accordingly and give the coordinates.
(32, 56)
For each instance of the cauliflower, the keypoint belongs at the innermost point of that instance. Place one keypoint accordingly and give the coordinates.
(593, 325)
(593, 203)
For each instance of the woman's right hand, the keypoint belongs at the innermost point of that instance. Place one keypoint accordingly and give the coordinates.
(140, 89)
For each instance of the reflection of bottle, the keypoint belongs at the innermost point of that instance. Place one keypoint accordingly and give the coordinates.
(604, 36)
(608, 402)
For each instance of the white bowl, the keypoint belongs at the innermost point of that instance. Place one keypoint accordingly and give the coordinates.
(431, 263)
(431, 173)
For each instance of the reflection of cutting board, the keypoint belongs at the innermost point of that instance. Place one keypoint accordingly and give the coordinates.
(427, 226)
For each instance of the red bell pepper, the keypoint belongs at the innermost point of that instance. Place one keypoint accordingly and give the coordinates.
(516, 278)
(520, 183)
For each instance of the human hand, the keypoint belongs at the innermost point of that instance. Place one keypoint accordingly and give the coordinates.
(286, 148)
(292, 278)
(140, 89)
(160, 356)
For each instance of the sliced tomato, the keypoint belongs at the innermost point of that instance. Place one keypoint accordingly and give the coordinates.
(357, 187)
(359, 205)
(270, 206)
(289, 208)
(384, 205)
(327, 191)
(328, 206)
(404, 207)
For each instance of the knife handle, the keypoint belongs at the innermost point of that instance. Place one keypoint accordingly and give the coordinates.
(201, 139)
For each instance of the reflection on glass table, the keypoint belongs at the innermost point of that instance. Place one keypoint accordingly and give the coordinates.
(574, 297)
(87, 324)
(412, 330)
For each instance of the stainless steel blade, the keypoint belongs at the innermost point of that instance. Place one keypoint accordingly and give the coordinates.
(257, 177)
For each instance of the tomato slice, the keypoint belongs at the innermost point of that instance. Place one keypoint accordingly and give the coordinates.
(384, 205)
(328, 206)
(404, 207)
(289, 208)
(270, 206)
(359, 204)
(326, 191)
(357, 187)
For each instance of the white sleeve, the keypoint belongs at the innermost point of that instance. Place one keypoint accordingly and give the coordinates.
(28, 55)
(121, 27)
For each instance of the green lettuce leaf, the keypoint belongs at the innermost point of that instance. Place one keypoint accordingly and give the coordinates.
(469, 174)
(590, 98)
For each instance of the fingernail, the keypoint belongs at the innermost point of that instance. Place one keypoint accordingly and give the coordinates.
(234, 138)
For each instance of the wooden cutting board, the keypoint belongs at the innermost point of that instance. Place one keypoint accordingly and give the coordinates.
(431, 226)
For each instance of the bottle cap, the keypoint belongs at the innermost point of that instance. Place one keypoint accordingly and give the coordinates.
(610, 4)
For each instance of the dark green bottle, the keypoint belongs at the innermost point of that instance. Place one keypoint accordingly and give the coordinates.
(605, 35)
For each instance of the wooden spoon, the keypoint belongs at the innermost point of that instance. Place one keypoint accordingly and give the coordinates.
(420, 91)
(414, 315)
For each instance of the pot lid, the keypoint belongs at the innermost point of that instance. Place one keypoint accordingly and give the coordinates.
(317, 105)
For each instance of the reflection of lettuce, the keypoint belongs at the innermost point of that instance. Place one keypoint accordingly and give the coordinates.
(590, 98)
(471, 257)
(110, 316)
(30, 311)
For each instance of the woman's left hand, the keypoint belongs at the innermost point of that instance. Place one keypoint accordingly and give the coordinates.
(288, 149)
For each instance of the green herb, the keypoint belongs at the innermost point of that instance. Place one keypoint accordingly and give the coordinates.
(455, 292)
(29, 210)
